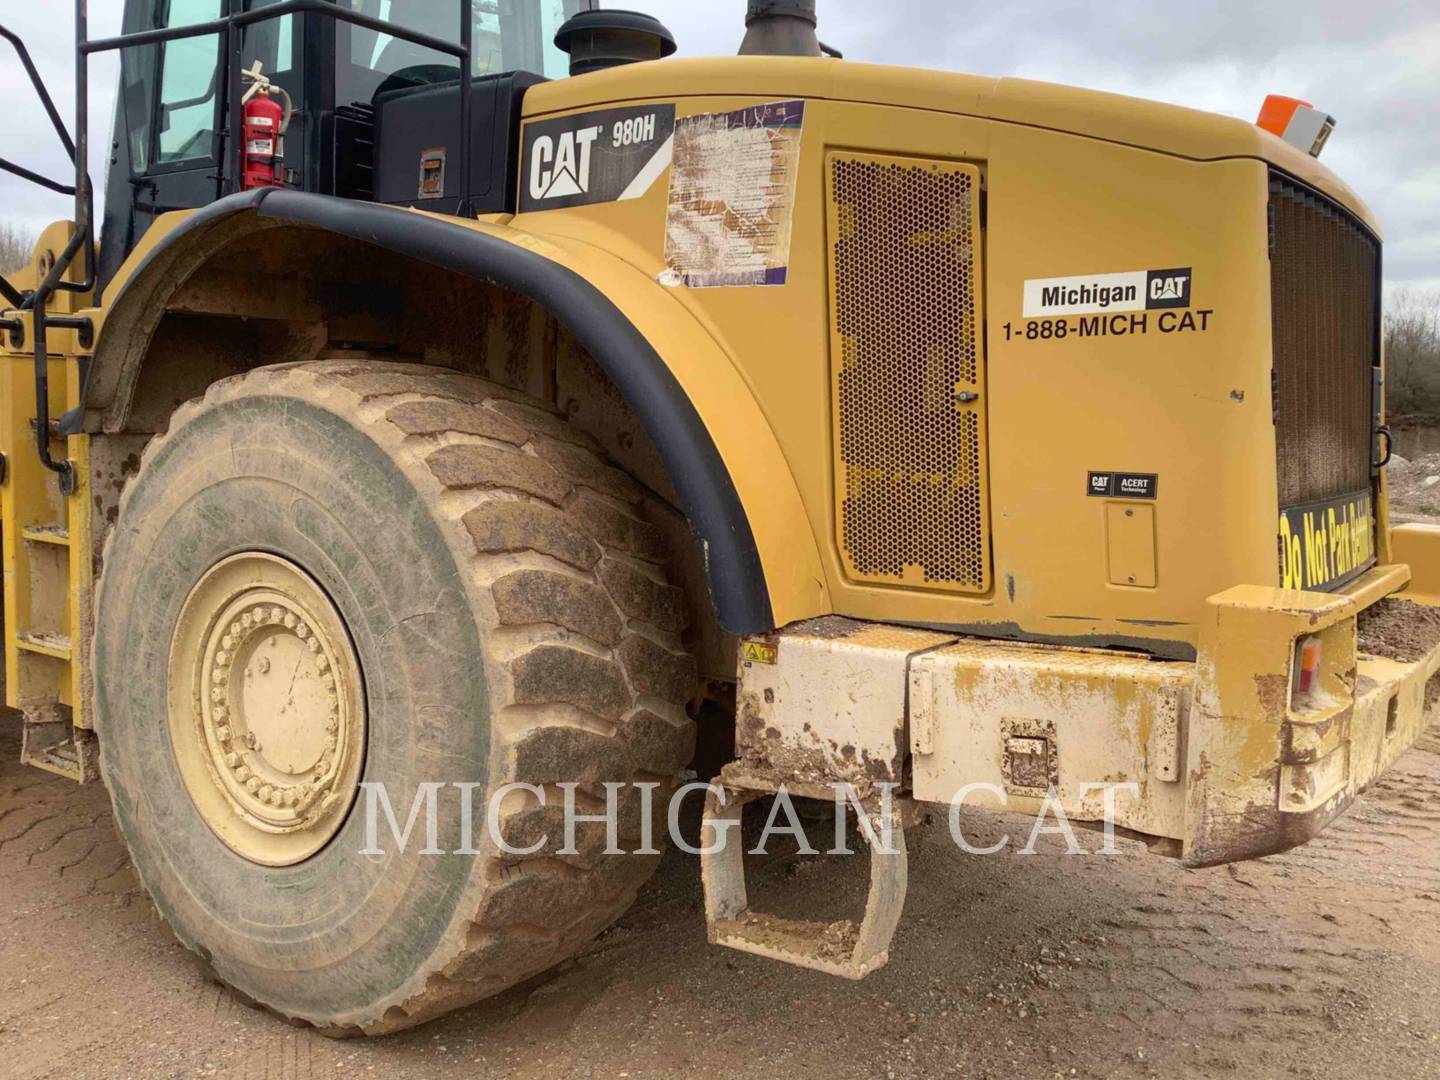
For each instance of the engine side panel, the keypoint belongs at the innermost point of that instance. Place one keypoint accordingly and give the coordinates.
(1163, 399)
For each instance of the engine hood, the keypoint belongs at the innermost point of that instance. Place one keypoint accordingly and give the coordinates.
(1168, 129)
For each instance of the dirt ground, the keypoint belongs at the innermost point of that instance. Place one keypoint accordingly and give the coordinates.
(1322, 962)
(1415, 480)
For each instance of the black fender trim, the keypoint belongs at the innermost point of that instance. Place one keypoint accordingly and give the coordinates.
(707, 492)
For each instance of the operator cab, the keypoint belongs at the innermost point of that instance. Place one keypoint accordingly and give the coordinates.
(178, 99)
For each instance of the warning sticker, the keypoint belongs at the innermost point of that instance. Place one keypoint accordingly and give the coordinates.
(1325, 544)
(759, 652)
(732, 196)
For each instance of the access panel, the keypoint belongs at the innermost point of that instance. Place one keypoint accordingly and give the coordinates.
(908, 371)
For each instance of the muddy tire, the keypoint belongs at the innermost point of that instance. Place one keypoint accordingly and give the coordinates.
(507, 612)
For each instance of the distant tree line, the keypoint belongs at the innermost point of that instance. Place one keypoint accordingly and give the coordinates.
(1412, 352)
(17, 244)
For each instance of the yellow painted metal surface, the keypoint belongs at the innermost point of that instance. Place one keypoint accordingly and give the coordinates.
(728, 403)
(1167, 129)
(1188, 401)
(1074, 183)
(1269, 767)
(1222, 755)
(47, 556)
(1094, 717)
(1418, 546)
(1130, 544)
(831, 708)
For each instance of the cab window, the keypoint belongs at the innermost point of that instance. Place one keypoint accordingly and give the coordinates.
(506, 35)
(189, 81)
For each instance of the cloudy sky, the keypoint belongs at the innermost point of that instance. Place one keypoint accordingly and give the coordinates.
(1375, 66)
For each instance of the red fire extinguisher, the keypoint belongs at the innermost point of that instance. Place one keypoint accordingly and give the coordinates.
(265, 121)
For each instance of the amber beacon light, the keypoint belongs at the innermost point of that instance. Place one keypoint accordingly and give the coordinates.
(1297, 122)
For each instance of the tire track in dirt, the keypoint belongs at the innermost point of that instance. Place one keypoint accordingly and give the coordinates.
(1320, 962)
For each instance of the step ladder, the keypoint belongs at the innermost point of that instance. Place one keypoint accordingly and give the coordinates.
(48, 568)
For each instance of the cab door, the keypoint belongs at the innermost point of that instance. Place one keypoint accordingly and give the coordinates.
(169, 140)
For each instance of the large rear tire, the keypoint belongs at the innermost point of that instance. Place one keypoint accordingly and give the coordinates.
(457, 589)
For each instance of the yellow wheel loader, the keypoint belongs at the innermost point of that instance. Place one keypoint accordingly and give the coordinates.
(461, 397)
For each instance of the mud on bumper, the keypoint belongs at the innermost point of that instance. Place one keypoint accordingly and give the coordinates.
(1268, 769)
(1221, 759)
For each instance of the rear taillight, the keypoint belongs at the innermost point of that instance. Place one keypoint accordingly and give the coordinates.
(1307, 665)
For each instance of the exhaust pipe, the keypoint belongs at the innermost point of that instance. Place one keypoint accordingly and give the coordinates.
(781, 28)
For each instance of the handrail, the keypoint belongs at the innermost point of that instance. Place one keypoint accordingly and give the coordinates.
(36, 178)
(273, 11)
(83, 236)
(13, 296)
(236, 21)
(39, 85)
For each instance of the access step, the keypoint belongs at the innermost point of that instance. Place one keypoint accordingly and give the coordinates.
(60, 748)
(848, 948)
(46, 534)
(55, 646)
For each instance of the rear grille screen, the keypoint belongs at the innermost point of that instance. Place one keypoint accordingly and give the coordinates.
(908, 363)
(1324, 271)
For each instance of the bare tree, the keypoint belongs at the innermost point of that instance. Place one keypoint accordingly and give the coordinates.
(1412, 351)
(17, 244)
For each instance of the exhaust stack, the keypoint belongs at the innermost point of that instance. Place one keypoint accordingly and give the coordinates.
(781, 28)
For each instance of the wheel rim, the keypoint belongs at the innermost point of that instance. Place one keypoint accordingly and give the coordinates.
(266, 709)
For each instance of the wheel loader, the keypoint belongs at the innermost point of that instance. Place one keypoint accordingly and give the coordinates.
(465, 396)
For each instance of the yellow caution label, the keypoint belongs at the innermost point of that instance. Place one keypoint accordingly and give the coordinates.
(759, 652)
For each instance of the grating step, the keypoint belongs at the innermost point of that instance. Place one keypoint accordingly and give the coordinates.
(74, 758)
(52, 645)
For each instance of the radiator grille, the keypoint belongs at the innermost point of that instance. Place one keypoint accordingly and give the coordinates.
(906, 325)
(1324, 270)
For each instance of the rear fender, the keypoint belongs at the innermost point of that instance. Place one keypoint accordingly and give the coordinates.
(719, 451)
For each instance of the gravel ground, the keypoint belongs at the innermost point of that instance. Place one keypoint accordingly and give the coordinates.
(1322, 962)
(1414, 487)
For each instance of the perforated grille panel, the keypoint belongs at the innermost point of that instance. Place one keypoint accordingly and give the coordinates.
(908, 368)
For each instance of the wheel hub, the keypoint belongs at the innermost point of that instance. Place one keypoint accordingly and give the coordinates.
(266, 710)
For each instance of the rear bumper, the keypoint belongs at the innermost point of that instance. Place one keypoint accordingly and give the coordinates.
(1212, 761)
(1265, 773)
(1219, 759)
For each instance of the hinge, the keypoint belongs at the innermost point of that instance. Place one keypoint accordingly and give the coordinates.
(1274, 396)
